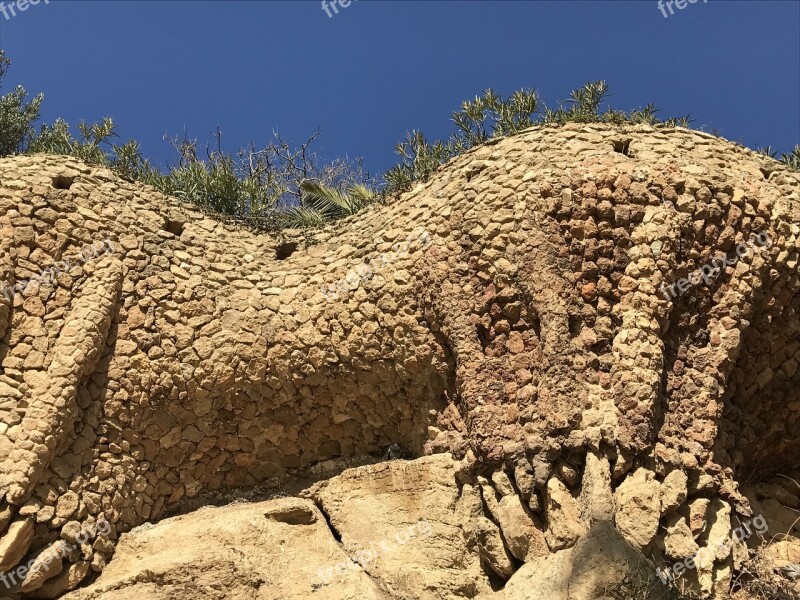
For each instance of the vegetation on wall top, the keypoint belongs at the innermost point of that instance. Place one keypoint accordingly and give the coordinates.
(278, 185)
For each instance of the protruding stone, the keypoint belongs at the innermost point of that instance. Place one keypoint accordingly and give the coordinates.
(698, 513)
(678, 541)
(596, 497)
(638, 507)
(522, 532)
(600, 562)
(67, 505)
(673, 491)
(564, 523)
(15, 543)
(523, 476)
(47, 565)
(68, 580)
(719, 529)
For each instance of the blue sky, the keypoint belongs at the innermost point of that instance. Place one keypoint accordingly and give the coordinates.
(380, 68)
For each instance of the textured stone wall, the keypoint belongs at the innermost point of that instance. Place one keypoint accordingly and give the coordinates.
(523, 329)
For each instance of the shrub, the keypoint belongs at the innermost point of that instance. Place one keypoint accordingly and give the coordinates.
(279, 185)
(16, 116)
(792, 160)
(490, 116)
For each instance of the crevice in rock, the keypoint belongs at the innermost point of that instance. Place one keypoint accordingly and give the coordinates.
(338, 537)
(292, 483)
(334, 532)
(575, 324)
(496, 582)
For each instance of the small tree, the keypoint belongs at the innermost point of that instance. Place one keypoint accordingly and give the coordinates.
(490, 116)
(16, 117)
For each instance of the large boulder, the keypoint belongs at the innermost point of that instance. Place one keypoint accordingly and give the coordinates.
(275, 550)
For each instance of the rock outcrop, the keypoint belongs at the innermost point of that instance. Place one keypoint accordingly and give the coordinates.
(548, 322)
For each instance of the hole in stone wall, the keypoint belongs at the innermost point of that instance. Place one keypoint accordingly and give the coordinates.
(575, 325)
(285, 250)
(62, 182)
(622, 146)
(174, 227)
(483, 335)
(536, 325)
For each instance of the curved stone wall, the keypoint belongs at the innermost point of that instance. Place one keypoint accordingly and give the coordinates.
(516, 311)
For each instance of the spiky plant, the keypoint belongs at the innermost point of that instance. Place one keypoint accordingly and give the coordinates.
(57, 139)
(490, 116)
(792, 160)
(419, 159)
(320, 204)
(767, 151)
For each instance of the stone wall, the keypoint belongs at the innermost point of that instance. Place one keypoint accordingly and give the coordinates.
(509, 312)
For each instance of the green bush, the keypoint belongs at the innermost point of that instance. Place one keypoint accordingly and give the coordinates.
(278, 185)
(491, 116)
(16, 117)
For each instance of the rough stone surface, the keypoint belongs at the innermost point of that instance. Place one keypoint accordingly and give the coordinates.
(521, 531)
(597, 497)
(564, 523)
(638, 499)
(412, 539)
(247, 551)
(510, 312)
(15, 543)
(599, 565)
(673, 491)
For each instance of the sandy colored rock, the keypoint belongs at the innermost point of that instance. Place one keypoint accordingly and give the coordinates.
(413, 538)
(596, 497)
(48, 564)
(538, 299)
(601, 562)
(15, 543)
(679, 542)
(522, 532)
(66, 581)
(243, 551)
(673, 491)
(784, 552)
(482, 534)
(564, 523)
(719, 530)
(638, 507)
(698, 513)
